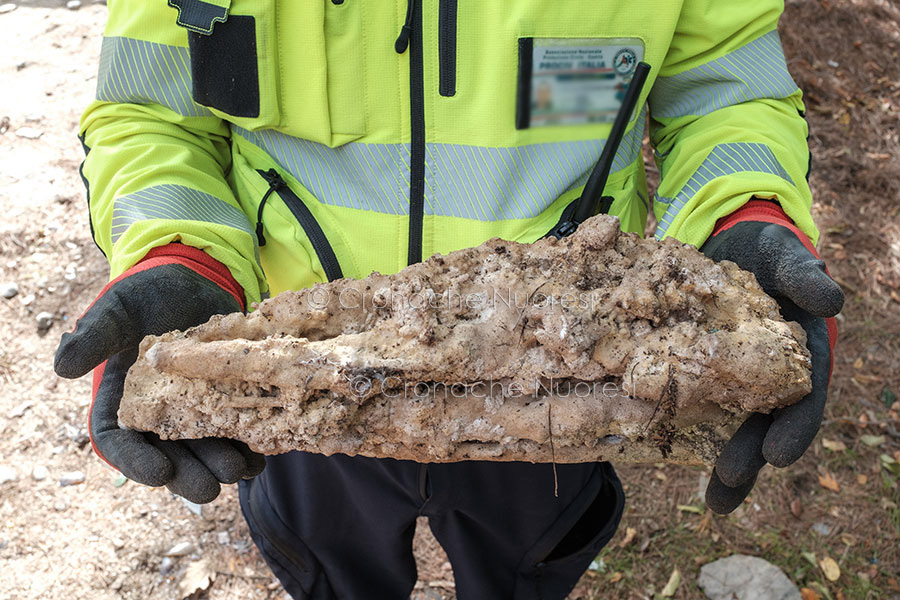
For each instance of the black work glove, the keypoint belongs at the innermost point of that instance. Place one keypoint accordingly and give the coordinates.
(174, 287)
(760, 238)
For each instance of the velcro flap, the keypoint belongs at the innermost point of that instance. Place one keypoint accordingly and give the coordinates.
(200, 16)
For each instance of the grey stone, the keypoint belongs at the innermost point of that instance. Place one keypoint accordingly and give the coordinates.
(77, 435)
(71, 478)
(181, 549)
(822, 528)
(9, 290)
(29, 133)
(166, 565)
(5, 8)
(742, 577)
(19, 410)
(7, 474)
(44, 320)
(119, 582)
(40, 473)
(73, 4)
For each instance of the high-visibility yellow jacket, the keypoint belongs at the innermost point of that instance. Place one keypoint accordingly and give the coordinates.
(297, 140)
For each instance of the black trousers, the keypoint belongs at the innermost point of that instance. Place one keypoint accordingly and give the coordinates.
(342, 527)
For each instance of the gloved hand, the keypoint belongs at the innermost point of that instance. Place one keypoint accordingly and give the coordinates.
(173, 287)
(759, 237)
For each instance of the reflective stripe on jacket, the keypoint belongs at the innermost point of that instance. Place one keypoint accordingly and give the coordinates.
(357, 155)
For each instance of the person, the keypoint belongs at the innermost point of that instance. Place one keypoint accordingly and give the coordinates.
(237, 149)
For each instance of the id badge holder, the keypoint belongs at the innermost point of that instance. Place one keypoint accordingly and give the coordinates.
(566, 81)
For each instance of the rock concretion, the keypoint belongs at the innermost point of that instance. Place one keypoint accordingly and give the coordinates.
(598, 346)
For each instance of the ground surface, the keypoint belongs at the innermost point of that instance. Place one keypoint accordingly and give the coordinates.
(97, 540)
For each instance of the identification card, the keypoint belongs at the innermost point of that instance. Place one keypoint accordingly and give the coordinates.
(573, 81)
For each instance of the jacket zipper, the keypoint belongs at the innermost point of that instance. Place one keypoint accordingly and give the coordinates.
(272, 532)
(411, 36)
(417, 138)
(447, 47)
(307, 221)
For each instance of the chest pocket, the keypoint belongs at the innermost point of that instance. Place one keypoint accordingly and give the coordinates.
(233, 58)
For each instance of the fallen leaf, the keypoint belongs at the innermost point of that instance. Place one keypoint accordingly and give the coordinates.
(630, 532)
(839, 595)
(858, 363)
(796, 507)
(808, 594)
(872, 440)
(862, 479)
(672, 585)
(199, 575)
(810, 557)
(889, 464)
(834, 445)
(828, 481)
(690, 508)
(660, 475)
(616, 577)
(830, 568)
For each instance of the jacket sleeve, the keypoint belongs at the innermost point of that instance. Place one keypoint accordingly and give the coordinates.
(157, 162)
(727, 121)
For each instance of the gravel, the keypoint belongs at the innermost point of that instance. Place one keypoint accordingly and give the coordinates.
(44, 320)
(9, 290)
(40, 472)
(7, 474)
(71, 478)
(181, 549)
(29, 133)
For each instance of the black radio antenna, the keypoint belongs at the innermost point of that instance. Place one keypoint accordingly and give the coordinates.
(592, 196)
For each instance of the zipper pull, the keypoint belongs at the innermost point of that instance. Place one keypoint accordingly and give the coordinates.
(275, 183)
(403, 39)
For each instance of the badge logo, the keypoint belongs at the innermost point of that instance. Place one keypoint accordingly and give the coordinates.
(625, 61)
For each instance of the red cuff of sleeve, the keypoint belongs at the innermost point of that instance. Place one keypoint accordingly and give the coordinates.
(195, 259)
(766, 211)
